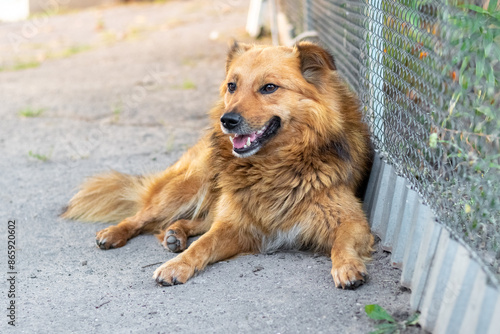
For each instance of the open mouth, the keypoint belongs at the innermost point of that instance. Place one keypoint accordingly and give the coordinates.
(245, 145)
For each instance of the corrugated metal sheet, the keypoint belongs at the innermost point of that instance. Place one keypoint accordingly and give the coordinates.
(449, 287)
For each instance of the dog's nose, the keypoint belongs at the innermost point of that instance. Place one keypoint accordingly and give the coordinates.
(230, 120)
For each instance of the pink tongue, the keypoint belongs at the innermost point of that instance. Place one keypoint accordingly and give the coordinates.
(240, 141)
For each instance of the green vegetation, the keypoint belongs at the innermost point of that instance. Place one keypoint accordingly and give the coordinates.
(188, 84)
(117, 111)
(73, 50)
(31, 112)
(41, 157)
(441, 112)
(469, 135)
(25, 65)
(387, 324)
(476, 67)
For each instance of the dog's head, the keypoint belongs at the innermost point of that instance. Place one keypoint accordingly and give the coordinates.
(266, 89)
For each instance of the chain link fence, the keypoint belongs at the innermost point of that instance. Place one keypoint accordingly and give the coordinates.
(427, 74)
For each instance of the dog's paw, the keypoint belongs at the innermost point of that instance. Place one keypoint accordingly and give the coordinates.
(111, 237)
(175, 241)
(174, 272)
(349, 274)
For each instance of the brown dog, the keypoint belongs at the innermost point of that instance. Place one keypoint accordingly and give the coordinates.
(279, 168)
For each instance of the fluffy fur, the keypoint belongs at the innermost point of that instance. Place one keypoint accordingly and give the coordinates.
(293, 183)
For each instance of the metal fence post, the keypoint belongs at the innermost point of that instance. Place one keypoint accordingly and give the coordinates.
(376, 68)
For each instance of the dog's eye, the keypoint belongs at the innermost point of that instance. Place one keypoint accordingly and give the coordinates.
(231, 87)
(268, 89)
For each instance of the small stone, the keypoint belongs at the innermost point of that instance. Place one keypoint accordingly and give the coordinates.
(257, 268)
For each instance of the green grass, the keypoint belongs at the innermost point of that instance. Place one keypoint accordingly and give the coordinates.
(31, 112)
(41, 157)
(386, 323)
(25, 65)
(117, 111)
(74, 49)
(186, 84)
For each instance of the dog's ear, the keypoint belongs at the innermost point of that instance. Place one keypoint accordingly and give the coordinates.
(315, 62)
(235, 50)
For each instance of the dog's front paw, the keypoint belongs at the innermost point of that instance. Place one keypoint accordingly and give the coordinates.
(349, 274)
(111, 237)
(175, 271)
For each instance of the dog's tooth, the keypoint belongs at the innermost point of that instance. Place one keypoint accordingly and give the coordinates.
(248, 142)
(231, 139)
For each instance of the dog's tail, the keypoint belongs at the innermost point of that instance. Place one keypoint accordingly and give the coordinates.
(109, 197)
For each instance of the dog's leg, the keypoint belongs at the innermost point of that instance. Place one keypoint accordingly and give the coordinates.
(174, 238)
(117, 235)
(221, 242)
(352, 247)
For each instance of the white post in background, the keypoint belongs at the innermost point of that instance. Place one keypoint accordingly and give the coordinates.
(14, 10)
(273, 15)
(255, 17)
(376, 68)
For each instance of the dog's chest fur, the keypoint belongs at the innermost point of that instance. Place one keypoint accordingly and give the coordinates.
(273, 192)
(275, 195)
